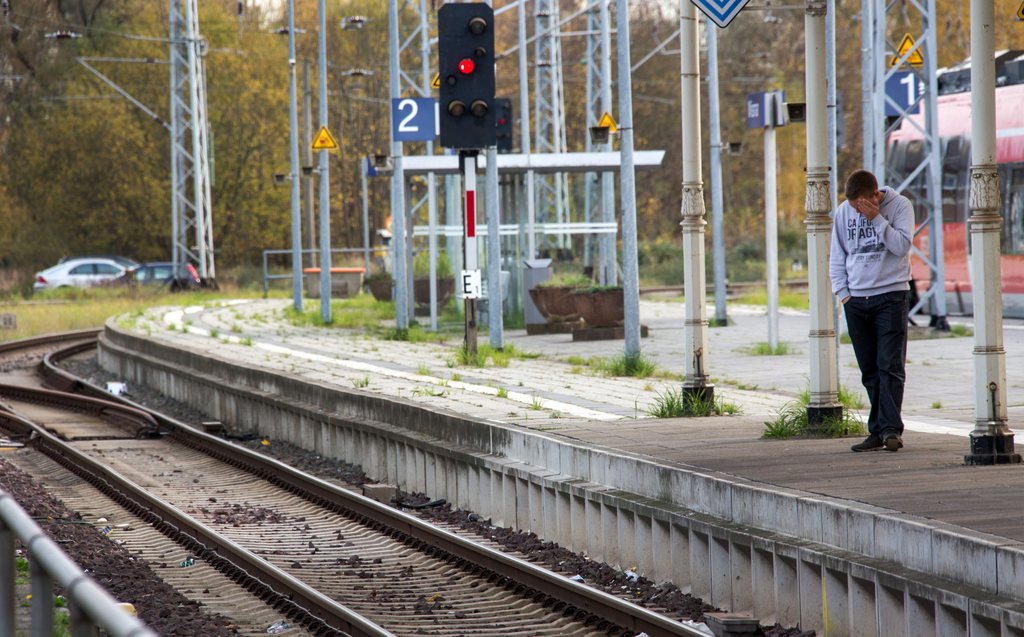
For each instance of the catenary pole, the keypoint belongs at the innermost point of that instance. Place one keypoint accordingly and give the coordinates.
(307, 160)
(609, 274)
(867, 82)
(325, 177)
(495, 319)
(293, 150)
(717, 193)
(771, 223)
(695, 328)
(397, 181)
(431, 179)
(495, 325)
(824, 402)
(627, 178)
(524, 136)
(991, 440)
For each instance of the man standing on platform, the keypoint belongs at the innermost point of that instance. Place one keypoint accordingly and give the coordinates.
(870, 271)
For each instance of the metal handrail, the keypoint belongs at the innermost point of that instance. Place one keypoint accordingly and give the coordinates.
(91, 605)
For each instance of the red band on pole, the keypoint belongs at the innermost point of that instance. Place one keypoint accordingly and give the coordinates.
(470, 213)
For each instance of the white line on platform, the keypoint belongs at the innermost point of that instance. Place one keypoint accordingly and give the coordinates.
(175, 318)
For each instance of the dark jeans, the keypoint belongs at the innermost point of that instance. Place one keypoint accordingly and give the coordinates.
(878, 330)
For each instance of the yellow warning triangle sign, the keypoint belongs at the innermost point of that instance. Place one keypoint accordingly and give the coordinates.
(607, 121)
(906, 44)
(1020, 11)
(324, 140)
(436, 82)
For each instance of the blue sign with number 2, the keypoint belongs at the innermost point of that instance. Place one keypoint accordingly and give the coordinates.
(414, 119)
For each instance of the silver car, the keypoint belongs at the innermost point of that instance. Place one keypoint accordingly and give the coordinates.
(80, 273)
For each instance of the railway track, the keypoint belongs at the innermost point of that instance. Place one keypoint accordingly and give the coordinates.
(333, 561)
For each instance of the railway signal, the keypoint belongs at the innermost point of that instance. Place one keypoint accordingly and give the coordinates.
(466, 50)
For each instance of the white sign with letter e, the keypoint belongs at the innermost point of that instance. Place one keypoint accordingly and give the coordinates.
(471, 284)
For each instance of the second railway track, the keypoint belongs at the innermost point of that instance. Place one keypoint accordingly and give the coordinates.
(337, 560)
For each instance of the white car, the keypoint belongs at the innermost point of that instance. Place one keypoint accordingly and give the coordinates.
(79, 273)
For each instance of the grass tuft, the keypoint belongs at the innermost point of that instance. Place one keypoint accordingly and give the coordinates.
(766, 349)
(675, 403)
(791, 422)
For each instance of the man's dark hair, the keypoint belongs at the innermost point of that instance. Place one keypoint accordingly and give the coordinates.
(860, 183)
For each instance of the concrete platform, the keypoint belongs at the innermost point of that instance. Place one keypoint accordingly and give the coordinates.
(916, 524)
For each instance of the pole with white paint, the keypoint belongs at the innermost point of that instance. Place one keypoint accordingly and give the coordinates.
(471, 274)
(771, 221)
(695, 327)
(991, 439)
(824, 399)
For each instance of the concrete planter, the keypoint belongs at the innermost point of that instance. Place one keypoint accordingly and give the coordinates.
(600, 308)
(421, 291)
(380, 288)
(555, 304)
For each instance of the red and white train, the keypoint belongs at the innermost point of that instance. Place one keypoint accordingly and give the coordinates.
(954, 110)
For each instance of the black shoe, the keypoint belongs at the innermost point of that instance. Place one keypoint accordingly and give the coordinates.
(893, 442)
(871, 443)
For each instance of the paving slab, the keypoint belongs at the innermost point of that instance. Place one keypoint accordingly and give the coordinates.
(927, 478)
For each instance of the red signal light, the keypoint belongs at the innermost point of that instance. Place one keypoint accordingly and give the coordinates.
(466, 66)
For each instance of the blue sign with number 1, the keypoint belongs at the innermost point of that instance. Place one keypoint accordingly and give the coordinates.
(904, 88)
(414, 119)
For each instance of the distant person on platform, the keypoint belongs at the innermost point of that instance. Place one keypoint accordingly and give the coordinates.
(870, 271)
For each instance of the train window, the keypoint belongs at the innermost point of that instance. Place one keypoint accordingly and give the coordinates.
(1013, 226)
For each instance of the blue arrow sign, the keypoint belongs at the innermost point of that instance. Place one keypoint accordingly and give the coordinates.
(414, 119)
(721, 12)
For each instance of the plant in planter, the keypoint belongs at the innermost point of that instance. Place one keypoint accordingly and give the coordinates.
(600, 305)
(421, 278)
(379, 284)
(553, 297)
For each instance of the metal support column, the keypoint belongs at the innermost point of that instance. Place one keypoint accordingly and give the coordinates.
(294, 175)
(364, 166)
(695, 327)
(609, 271)
(991, 439)
(495, 324)
(325, 177)
(307, 160)
(398, 225)
(824, 400)
(524, 137)
(771, 226)
(549, 134)
(192, 218)
(922, 182)
(717, 193)
(627, 178)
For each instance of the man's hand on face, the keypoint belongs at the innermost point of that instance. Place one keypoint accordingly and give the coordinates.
(867, 206)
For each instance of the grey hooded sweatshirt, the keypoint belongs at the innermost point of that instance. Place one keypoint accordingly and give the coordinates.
(872, 257)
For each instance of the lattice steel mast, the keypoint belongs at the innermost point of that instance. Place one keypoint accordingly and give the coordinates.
(191, 213)
(923, 180)
(549, 113)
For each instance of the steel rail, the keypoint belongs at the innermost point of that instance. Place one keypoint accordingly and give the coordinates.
(48, 339)
(145, 426)
(318, 613)
(572, 598)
